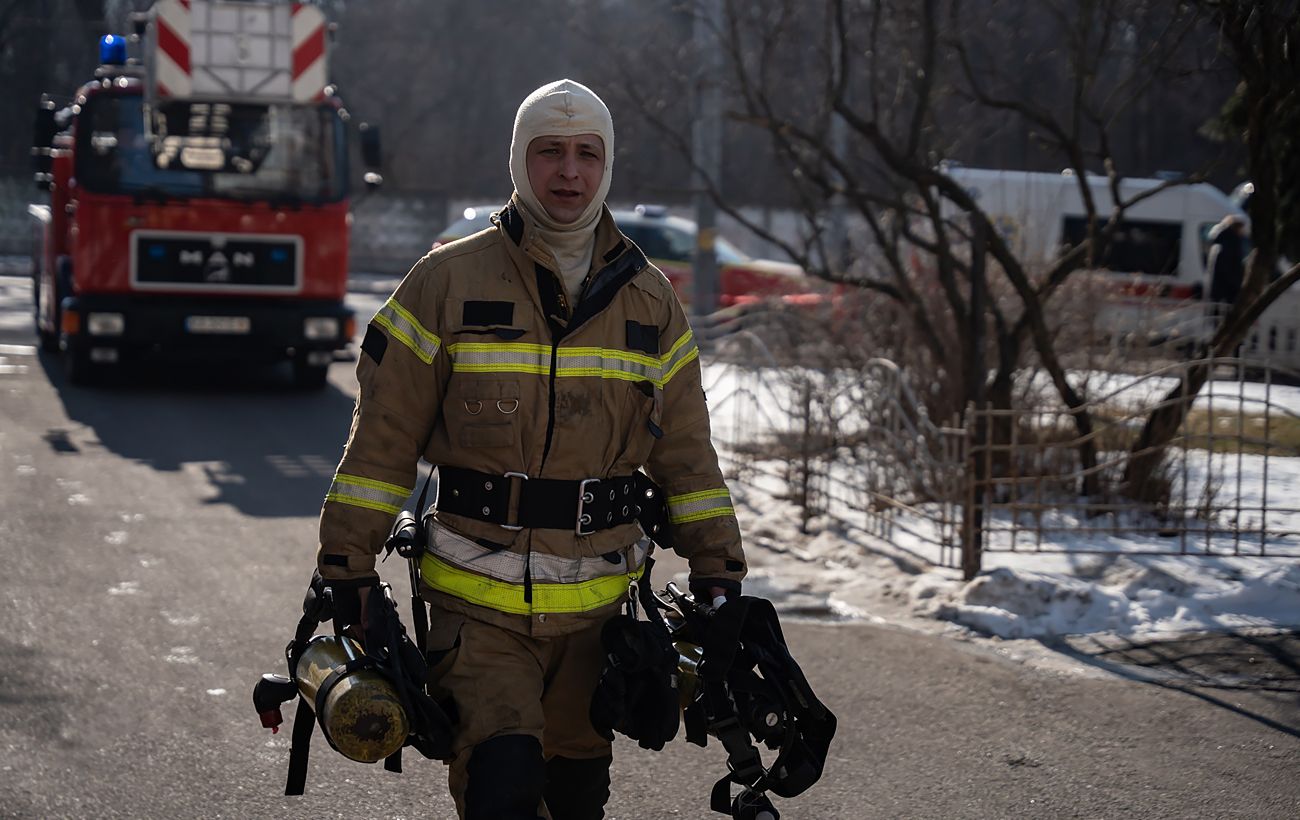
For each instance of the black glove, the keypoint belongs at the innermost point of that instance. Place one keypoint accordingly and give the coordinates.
(636, 695)
(347, 602)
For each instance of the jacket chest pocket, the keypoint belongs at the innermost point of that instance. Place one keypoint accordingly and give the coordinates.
(483, 412)
(482, 409)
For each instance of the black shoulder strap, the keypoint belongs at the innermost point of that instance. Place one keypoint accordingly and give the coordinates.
(721, 643)
(419, 613)
(299, 749)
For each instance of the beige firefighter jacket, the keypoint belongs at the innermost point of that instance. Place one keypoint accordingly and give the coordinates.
(478, 361)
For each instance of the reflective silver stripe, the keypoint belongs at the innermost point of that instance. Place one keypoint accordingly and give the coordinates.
(599, 362)
(505, 357)
(366, 492)
(699, 506)
(607, 364)
(507, 566)
(406, 329)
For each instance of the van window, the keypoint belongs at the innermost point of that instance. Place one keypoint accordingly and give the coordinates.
(1137, 246)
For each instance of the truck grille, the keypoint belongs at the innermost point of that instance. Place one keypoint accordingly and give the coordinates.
(213, 262)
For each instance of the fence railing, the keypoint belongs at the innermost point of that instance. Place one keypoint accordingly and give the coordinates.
(855, 445)
(1212, 493)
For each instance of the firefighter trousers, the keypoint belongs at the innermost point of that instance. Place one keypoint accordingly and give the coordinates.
(522, 706)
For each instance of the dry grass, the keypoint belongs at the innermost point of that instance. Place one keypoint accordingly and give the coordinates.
(1276, 435)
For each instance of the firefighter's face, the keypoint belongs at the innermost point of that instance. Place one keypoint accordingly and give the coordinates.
(565, 173)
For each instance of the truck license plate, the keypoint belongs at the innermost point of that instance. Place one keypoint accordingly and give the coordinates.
(218, 324)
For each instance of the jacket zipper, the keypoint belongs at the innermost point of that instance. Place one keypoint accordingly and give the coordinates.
(557, 333)
(546, 448)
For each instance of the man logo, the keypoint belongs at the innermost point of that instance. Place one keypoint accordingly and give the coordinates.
(217, 269)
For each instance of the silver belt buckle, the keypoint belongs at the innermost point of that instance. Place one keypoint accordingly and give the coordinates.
(512, 527)
(584, 498)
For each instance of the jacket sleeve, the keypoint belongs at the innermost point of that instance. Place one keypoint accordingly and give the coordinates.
(402, 372)
(685, 465)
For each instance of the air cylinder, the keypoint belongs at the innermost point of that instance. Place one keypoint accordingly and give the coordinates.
(361, 712)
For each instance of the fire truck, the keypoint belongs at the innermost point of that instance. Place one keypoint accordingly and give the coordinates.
(198, 195)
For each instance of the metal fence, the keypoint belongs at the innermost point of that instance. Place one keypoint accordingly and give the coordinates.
(855, 446)
(1212, 494)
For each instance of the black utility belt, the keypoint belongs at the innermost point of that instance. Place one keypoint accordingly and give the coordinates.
(585, 506)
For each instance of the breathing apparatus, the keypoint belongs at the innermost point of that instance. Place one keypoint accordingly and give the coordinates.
(740, 684)
(368, 698)
(724, 671)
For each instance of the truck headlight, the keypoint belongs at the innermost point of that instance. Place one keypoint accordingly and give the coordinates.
(316, 328)
(105, 324)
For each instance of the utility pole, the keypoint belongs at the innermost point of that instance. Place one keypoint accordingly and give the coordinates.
(117, 14)
(837, 240)
(706, 152)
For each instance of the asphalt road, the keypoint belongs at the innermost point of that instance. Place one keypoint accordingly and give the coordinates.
(157, 537)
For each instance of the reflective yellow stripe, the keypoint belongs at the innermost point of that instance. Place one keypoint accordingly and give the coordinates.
(406, 329)
(682, 351)
(358, 491)
(699, 506)
(573, 362)
(506, 597)
(693, 354)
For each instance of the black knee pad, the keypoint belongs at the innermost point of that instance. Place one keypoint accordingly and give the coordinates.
(506, 779)
(577, 789)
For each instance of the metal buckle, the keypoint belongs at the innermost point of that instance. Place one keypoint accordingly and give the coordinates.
(584, 498)
(512, 527)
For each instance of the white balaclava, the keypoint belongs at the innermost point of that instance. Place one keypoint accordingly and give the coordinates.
(562, 109)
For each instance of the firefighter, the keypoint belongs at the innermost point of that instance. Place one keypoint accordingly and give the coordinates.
(539, 365)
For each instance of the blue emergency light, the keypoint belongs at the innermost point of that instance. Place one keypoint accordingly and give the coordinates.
(112, 49)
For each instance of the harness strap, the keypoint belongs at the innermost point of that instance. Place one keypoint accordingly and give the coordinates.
(744, 764)
(299, 749)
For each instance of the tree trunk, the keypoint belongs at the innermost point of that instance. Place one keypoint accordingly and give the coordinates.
(1161, 426)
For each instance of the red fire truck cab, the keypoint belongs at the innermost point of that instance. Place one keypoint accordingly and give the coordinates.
(198, 206)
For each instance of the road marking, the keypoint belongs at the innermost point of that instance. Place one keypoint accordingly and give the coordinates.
(9, 369)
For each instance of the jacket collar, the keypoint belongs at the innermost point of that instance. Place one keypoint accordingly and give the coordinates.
(617, 262)
(515, 223)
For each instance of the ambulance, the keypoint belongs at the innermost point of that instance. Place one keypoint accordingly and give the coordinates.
(1153, 276)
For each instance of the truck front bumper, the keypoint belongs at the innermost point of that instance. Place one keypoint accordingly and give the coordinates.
(110, 328)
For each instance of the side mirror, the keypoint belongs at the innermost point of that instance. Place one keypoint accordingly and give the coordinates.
(43, 131)
(371, 154)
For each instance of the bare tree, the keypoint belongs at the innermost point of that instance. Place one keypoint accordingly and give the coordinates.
(912, 84)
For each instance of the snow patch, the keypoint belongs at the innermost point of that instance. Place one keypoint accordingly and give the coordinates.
(1073, 582)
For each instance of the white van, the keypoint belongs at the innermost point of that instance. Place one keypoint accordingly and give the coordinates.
(1156, 258)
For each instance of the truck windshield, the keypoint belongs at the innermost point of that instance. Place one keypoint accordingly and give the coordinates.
(272, 153)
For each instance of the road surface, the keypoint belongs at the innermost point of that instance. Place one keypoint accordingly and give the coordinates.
(157, 537)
